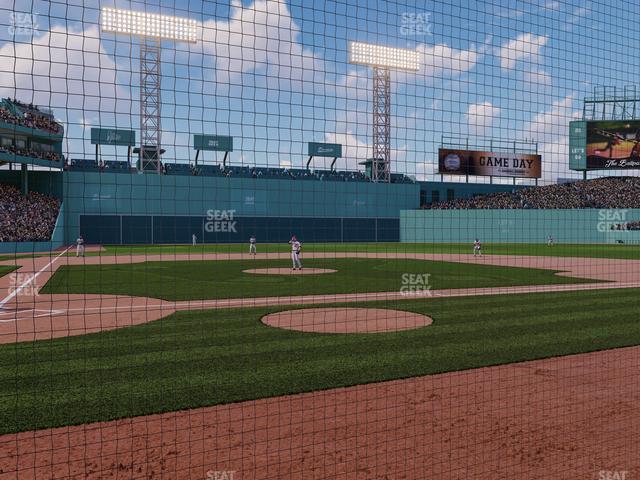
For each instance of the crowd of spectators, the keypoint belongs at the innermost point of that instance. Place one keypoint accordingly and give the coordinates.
(609, 192)
(51, 156)
(29, 218)
(31, 118)
(626, 226)
(240, 171)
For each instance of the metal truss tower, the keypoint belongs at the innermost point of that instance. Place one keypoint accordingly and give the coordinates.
(150, 104)
(381, 168)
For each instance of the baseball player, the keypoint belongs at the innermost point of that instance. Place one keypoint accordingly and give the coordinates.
(80, 246)
(550, 241)
(296, 246)
(194, 239)
(252, 245)
(477, 248)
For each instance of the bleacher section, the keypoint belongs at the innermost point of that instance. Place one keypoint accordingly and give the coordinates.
(29, 134)
(29, 218)
(113, 166)
(240, 172)
(598, 193)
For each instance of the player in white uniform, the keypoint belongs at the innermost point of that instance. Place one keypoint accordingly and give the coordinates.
(252, 245)
(550, 241)
(80, 246)
(477, 248)
(296, 246)
(194, 239)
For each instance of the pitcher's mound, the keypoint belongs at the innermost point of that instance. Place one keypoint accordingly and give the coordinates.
(288, 271)
(346, 320)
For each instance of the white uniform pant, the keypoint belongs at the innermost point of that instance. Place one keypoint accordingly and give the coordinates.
(295, 258)
(79, 250)
(252, 248)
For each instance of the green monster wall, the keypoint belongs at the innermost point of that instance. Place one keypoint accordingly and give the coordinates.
(149, 208)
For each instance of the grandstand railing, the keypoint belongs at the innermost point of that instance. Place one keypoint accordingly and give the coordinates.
(185, 169)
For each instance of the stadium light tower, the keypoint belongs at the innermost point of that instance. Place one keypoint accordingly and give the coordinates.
(152, 29)
(382, 60)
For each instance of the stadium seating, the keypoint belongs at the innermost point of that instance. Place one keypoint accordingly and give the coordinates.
(28, 115)
(52, 156)
(243, 172)
(28, 218)
(608, 192)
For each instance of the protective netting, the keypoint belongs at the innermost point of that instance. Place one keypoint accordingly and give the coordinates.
(319, 239)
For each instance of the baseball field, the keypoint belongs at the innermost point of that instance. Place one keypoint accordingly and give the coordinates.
(171, 333)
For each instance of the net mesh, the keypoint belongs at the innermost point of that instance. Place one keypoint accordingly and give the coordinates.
(236, 245)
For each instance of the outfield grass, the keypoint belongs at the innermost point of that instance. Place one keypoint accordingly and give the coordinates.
(535, 249)
(200, 358)
(195, 280)
(4, 269)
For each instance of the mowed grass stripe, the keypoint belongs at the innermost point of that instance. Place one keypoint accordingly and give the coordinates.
(199, 280)
(200, 358)
(621, 251)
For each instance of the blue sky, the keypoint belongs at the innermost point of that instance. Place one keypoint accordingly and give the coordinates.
(275, 75)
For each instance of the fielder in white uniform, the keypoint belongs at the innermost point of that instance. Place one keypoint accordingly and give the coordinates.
(252, 245)
(477, 248)
(80, 246)
(295, 253)
(194, 239)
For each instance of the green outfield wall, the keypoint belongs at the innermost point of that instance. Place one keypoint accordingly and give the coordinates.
(518, 226)
(148, 208)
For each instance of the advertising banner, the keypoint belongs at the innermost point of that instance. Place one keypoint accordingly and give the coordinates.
(496, 164)
(613, 144)
(112, 136)
(325, 150)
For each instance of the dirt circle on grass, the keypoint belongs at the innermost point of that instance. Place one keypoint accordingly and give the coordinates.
(346, 320)
(289, 271)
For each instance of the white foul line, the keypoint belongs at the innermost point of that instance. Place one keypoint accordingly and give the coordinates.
(33, 277)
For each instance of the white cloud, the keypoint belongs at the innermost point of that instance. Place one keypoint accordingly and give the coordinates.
(550, 128)
(480, 117)
(64, 70)
(444, 60)
(354, 86)
(578, 13)
(355, 150)
(259, 37)
(525, 47)
(549, 125)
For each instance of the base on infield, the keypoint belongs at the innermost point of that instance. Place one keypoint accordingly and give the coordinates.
(346, 320)
(289, 271)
